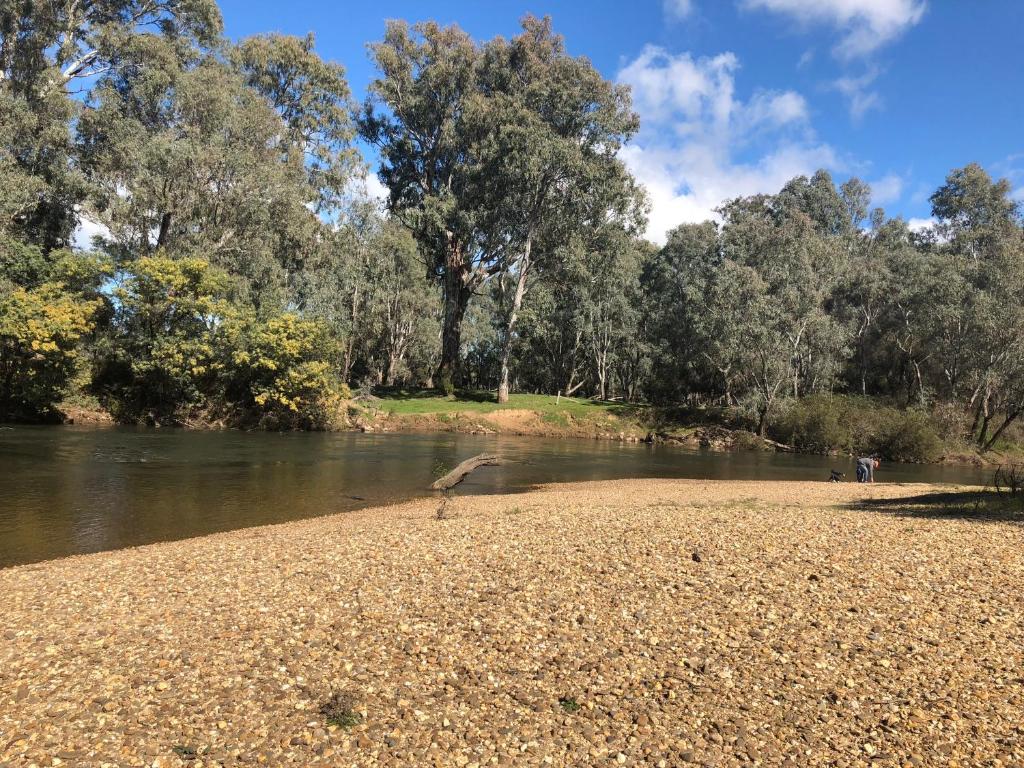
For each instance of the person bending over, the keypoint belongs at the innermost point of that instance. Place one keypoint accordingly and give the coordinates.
(866, 469)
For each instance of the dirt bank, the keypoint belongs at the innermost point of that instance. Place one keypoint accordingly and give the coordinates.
(614, 623)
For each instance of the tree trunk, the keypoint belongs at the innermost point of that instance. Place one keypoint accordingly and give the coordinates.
(451, 338)
(460, 472)
(1010, 418)
(456, 299)
(350, 342)
(762, 420)
(165, 230)
(517, 302)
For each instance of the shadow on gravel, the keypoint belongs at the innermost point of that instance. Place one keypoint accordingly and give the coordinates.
(982, 506)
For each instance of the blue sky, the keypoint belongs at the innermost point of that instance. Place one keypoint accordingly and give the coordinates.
(736, 96)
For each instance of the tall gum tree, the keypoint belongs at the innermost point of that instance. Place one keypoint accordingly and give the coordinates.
(483, 147)
(550, 171)
(50, 51)
(421, 115)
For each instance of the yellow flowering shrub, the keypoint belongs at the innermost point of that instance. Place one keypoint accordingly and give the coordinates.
(40, 329)
(287, 365)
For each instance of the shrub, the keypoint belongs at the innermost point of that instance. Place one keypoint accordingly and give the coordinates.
(40, 329)
(857, 425)
(815, 424)
(282, 370)
(907, 436)
(163, 359)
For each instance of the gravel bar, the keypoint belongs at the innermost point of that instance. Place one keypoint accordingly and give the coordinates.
(643, 622)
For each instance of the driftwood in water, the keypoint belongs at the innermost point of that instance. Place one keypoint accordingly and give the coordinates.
(462, 471)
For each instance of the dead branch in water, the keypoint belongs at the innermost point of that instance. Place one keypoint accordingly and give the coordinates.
(462, 471)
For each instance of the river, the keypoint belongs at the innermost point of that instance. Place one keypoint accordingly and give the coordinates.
(69, 490)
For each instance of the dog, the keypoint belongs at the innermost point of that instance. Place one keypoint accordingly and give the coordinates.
(836, 476)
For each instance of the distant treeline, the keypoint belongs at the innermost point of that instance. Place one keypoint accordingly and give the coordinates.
(239, 274)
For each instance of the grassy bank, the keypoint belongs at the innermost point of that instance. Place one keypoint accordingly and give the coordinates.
(822, 425)
(524, 414)
(841, 425)
(630, 623)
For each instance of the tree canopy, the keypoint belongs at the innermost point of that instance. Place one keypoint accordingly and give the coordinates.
(240, 274)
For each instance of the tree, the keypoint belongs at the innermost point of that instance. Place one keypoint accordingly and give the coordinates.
(313, 100)
(483, 146)
(981, 328)
(422, 116)
(162, 361)
(281, 372)
(549, 157)
(45, 48)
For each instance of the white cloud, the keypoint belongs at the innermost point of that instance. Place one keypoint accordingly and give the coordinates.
(374, 188)
(920, 225)
(678, 9)
(84, 233)
(887, 189)
(858, 97)
(865, 25)
(700, 145)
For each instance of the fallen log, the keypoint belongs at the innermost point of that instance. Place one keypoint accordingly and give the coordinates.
(462, 471)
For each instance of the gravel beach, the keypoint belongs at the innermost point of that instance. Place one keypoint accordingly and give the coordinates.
(646, 622)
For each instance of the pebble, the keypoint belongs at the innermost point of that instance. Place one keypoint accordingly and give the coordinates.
(458, 641)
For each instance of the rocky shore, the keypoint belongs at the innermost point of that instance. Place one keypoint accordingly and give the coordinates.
(659, 623)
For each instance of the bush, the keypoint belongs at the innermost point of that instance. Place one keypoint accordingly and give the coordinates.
(815, 424)
(907, 436)
(162, 362)
(40, 330)
(282, 372)
(857, 425)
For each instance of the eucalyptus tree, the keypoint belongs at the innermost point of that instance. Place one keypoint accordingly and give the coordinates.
(229, 158)
(692, 338)
(485, 146)
(862, 295)
(981, 334)
(790, 240)
(549, 165)
(399, 330)
(48, 52)
(422, 115)
(312, 97)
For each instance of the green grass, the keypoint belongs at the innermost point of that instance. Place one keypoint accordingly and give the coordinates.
(430, 402)
(569, 704)
(340, 710)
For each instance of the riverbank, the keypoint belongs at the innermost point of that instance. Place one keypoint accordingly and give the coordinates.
(834, 426)
(619, 623)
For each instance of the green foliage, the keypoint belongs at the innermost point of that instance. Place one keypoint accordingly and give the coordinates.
(283, 371)
(162, 361)
(488, 150)
(182, 350)
(253, 283)
(40, 330)
(818, 424)
(340, 709)
(569, 704)
(859, 426)
(908, 436)
(49, 304)
(406, 402)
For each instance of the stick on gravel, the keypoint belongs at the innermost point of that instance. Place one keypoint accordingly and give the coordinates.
(464, 469)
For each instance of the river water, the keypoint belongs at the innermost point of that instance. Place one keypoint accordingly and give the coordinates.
(68, 490)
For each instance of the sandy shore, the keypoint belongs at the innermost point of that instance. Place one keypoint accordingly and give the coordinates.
(614, 623)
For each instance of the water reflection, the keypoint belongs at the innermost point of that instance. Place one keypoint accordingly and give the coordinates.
(67, 490)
